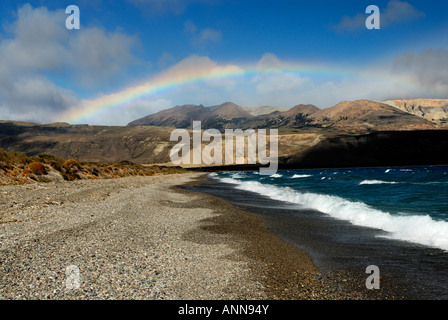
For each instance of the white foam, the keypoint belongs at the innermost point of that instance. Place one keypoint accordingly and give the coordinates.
(301, 176)
(276, 175)
(412, 228)
(387, 171)
(377, 182)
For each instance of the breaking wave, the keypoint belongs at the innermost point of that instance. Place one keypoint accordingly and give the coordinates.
(301, 176)
(377, 182)
(412, 228)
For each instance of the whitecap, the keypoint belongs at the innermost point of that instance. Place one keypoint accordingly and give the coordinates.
(301, 176)
(412, 228)
(376, 182)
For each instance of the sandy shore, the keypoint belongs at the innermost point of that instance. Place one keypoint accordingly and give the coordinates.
(144, 238)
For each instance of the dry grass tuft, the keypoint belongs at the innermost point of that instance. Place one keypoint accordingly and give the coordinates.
(37, 168)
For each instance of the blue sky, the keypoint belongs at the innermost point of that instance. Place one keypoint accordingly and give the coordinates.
(48, 69)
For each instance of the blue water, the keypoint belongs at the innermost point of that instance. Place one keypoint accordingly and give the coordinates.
(409, 203)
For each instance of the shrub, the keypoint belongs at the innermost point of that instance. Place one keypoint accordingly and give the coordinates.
(3, 155)
(37, 168)
(72, 163)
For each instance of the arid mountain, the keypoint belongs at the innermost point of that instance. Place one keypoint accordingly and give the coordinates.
(365, 115)
(147, 140)
(295, 117)
(104, 144)
(177, 117)
(88, 143)
(435, 110)
(227, 115)
(229, 111)
(219, 117)
(304, 109)
(258, 111)
(298, 148)
(354, 116)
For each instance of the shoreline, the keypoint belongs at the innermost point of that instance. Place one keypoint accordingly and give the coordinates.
(288, 273)
(125, 235)
(307, 235)
(149, 238)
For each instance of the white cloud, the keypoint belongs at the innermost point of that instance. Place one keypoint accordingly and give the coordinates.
(39, 48)
(275, 82)
(396, 12)
(165, 7)
(428, 69)
(138, 110)
(165, 60)
(196, 66)
(33, 99)
(153, 7)
(400, 12)
(96, 55)
(208, 35)
(269, 61)
(190, 28)
(37, 42)
(201, 38)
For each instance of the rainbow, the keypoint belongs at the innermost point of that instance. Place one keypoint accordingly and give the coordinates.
(173, 80)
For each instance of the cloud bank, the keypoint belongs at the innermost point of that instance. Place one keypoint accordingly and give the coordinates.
(39, 49)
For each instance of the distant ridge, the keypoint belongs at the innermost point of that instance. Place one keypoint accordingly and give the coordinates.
(220, 116)
(368, 114)
(435, 110)
(352, 116)
(351, 133)
(178, 117)
(304, 109)
(229, 111)
(258, 111)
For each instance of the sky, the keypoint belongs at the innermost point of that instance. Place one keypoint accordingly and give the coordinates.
(131, 58)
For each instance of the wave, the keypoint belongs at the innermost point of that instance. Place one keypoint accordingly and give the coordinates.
(411, 228)
(276, 175)
(377, 182)
(301, 176)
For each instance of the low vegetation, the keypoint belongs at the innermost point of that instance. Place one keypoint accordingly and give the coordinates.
(17, 168)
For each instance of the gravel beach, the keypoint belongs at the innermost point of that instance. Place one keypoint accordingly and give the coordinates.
(145, 238)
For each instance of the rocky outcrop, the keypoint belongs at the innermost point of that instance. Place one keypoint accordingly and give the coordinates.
(435, 110)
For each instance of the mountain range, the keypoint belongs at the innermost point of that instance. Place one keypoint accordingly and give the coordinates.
(360, 132)
(348, 116)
